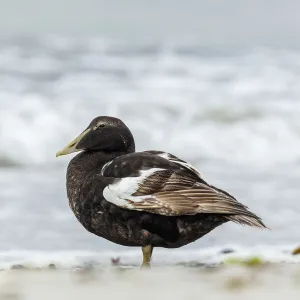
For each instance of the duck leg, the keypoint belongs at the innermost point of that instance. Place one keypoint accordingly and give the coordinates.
(147, 253)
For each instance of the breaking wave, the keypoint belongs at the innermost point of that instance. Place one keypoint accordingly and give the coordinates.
(240, 107)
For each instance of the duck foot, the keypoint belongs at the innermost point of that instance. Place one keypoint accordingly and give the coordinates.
(147, 253)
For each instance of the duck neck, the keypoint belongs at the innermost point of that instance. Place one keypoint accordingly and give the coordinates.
(83, 166)
(88, 162)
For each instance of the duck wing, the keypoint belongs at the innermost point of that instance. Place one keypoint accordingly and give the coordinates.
(174, 159)
(146, 181)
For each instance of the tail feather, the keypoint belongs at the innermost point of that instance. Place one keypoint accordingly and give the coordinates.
(238, 212)
(249, 220)
(233, 211)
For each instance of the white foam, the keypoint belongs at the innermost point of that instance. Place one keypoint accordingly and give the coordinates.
(240, 108)
(161, 257)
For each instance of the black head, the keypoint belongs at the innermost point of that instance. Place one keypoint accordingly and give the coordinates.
(103, 134)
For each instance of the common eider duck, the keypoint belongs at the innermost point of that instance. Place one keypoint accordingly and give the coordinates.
(146, 199)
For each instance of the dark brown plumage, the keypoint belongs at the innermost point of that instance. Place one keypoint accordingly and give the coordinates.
(147, 199)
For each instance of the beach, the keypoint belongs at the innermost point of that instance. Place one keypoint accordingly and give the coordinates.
(231, 276)
(214, 83)
(219, 282)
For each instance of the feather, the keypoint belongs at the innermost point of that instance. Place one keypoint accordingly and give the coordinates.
(175, 192)
(174, 159)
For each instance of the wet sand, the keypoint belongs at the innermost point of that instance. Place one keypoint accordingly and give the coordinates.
(261, 281)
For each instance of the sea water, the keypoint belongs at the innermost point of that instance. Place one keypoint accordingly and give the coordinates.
(232, 113)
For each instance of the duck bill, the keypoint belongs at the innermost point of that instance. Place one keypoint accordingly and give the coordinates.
(72, 146)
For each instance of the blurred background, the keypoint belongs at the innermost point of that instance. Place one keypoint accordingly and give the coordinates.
(213, 82)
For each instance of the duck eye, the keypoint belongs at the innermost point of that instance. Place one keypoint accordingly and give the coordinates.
(98, 126)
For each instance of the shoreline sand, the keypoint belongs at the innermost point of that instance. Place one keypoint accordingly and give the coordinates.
(174, 282)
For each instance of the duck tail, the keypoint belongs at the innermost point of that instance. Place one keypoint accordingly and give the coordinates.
(247, 220)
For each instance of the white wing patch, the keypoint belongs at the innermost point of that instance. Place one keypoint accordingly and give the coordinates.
(184, 164)
(120, 192)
